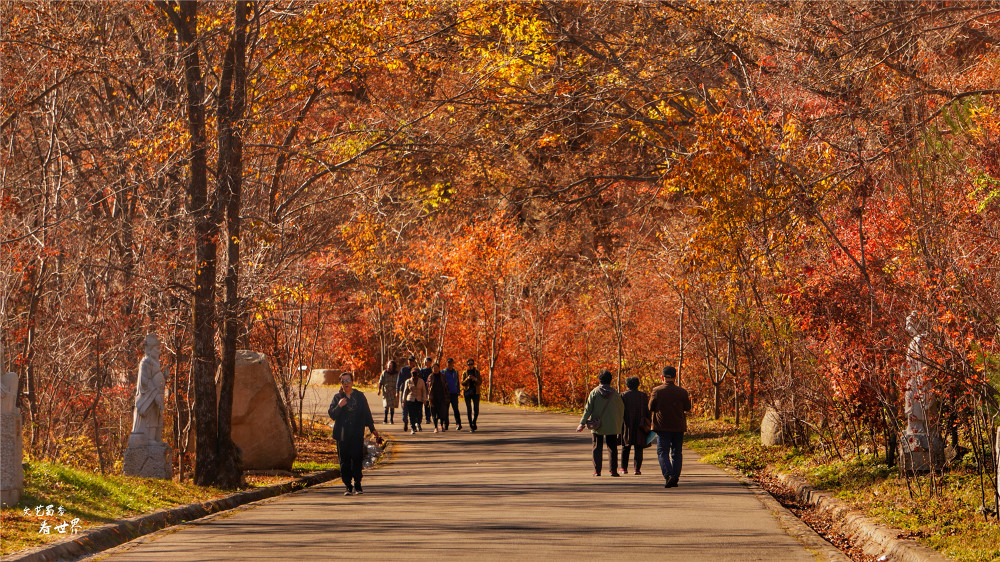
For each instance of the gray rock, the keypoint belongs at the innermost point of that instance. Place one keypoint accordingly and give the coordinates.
(772, 429)
(324, 377)
(260, 427)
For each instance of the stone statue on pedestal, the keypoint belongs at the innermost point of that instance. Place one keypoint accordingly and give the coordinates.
(147, 420)
(11, 471)
(921, 448)
(147, 455)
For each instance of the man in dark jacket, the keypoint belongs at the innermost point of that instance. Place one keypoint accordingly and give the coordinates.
(669, 405)
(471, 381)
(351, 415)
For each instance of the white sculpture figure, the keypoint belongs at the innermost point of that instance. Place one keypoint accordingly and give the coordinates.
(147, 421)
(921, 446)
(8, 393)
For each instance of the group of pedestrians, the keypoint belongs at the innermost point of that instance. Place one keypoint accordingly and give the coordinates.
(629, 418)
(427, 393)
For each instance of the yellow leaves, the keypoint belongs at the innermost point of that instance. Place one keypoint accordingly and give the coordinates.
(549, 139)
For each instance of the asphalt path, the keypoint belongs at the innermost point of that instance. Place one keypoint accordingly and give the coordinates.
(519, 488)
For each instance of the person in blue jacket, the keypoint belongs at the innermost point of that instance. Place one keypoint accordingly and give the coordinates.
(451, 378)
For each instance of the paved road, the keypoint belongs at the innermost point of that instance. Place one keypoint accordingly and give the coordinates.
(520, 487)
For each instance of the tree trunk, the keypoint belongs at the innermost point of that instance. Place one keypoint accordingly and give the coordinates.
(538, 384)
(184, 16)
(231, 107)
(718, 400)
(680, 342)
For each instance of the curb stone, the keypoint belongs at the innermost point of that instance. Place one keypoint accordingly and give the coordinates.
(792, 525)
(874, 538)
(122, 531)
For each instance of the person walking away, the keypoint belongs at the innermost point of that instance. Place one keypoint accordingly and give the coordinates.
(438, 391)
(387, 384)
(404, 375)
(605, 410)
(635, 424)
(425, 375)
(351, 415)
(451, 378)
(669, 405)
(471, 381)
(415, 394)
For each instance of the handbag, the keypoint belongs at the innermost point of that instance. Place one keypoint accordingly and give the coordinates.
(593, 423)
(650, 437)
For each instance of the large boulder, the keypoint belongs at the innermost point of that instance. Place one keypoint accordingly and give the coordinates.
(324, 377)
(772, 428)
(260, 425)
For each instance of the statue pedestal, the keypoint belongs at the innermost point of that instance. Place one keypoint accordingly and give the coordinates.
(152, 460)
(918, 454)
(11, 471)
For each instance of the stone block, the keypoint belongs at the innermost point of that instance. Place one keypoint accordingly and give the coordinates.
(11, 470)
(260, 425)
(149, 461)
(324, 377)
(772, 429)
(918, 454)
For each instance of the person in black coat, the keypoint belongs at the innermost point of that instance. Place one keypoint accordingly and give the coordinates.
(636, 415)
(351, 415)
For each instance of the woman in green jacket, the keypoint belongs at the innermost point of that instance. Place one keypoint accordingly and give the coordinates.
(606, 410)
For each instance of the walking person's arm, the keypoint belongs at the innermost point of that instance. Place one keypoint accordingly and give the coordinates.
(336, 405)
(366, 416)
(588, 410)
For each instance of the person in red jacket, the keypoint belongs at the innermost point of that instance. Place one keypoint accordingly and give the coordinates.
(669, 405)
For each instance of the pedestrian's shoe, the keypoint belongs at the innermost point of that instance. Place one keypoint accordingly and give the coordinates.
(358, 491)
(671, 482)
(637, 473)
(459, 428)
(435, 430)
(615, 474)
(349, 492)
(405, 427)
(624, 471)
(412, 432)
(597, 474)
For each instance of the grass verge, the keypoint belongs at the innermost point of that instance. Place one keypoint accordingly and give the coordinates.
(93, 499)
(948, 520)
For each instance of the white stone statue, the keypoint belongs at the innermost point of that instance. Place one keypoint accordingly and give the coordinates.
(921, 446)
(147, 420)
(8, 393)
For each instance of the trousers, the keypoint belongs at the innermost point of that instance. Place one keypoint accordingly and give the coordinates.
(352, 454)
(669, 453)
(612, 441)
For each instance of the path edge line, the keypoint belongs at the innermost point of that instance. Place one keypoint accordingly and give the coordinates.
(875, 539)
(821, 548)
(122, 531)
